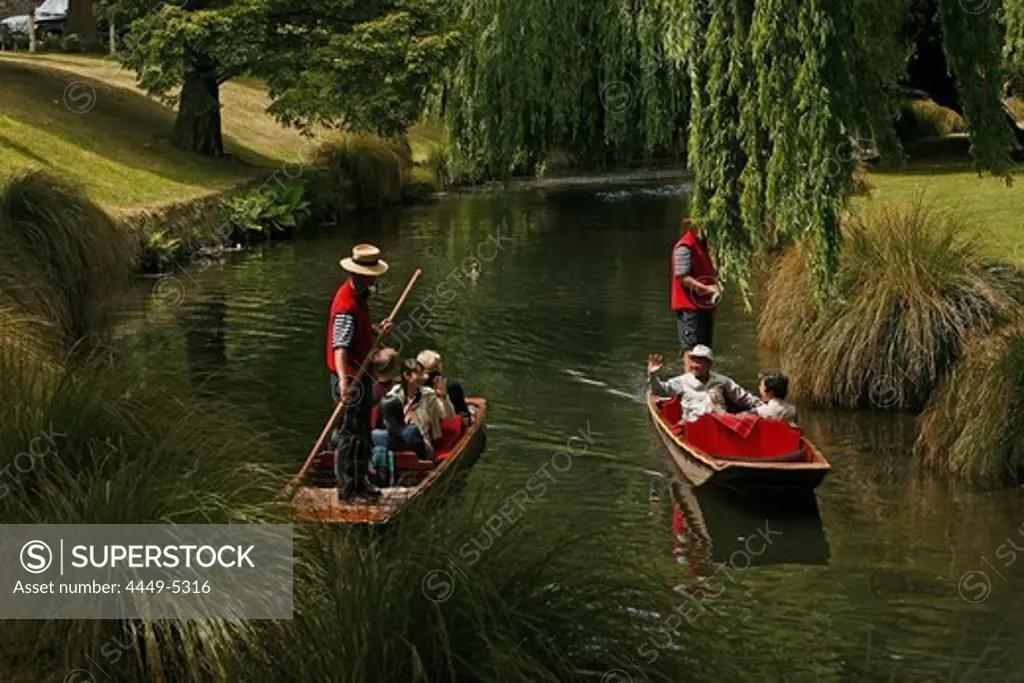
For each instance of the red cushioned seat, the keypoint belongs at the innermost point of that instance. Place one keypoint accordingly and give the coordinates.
(451, 432)
(671, 410)
(773, 440)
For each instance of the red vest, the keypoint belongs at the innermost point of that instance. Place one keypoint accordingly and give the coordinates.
(701, 269)
(348, 300)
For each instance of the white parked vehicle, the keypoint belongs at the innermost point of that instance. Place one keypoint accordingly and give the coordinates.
(49, 18)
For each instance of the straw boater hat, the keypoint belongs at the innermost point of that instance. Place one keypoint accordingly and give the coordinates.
(365, 260)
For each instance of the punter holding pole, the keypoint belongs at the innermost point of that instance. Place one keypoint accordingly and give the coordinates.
(351, 340)
(695, 287)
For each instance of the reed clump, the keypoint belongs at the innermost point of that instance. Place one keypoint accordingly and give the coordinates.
(99, 441)
(376, 167)
(438, 599)
(64, 257)
(974, 424)
(911, 288)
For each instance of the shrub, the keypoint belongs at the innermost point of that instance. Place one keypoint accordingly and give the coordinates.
(51, 42)
(64, 257)
(974, 424)
(910, 289)
(282, 209)
(920, 119)
(377, 168)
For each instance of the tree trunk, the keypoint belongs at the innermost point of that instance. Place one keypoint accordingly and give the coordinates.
(197, 127)
(81, 21)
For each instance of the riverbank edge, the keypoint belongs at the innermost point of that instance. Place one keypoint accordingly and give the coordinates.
(201, 225)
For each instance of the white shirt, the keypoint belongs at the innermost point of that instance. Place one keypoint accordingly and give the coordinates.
(777, 409)
(693, 393)
(429, 412)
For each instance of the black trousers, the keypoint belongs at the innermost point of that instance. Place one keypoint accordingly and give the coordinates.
(353, 436)
(694, 327)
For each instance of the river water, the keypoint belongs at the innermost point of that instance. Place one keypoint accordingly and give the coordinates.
(888, 574)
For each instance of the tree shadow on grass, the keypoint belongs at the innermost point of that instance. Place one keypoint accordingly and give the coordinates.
(23, 150)
(936, 156)
(116, 123)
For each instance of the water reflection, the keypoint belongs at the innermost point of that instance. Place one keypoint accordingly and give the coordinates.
(712, 526)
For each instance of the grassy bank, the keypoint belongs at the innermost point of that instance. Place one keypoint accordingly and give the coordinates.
(117, 148)
(84, 118)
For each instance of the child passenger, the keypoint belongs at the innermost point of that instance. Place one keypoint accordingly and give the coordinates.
(774, 388)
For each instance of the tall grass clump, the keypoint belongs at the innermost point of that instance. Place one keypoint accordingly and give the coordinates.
(63, 256)
(911, 287)
(442, 597)
(974, 424)
(377, 168)
(104, 442)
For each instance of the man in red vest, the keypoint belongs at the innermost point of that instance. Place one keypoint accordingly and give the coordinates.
(695, 290)
(350, 337)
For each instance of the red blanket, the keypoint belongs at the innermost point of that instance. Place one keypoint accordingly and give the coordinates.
(741, 424)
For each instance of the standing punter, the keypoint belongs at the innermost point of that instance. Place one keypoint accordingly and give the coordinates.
(695, 290)
(350, 337)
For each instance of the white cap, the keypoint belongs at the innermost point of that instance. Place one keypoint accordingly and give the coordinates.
(702, 351)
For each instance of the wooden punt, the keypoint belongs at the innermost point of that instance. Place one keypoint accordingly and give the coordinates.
(743, 475)
(316, 497)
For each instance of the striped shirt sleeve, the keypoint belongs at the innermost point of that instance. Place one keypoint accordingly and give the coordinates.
(344, 330)
(682, 258)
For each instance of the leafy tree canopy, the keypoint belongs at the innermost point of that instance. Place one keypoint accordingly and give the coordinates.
(589, 76)
(367, 64)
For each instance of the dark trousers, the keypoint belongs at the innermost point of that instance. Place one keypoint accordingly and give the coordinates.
(352, 434)
(694, 327)
(410, 439)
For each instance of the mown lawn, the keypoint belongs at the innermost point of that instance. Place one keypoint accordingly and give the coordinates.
(81, 118)
(941, 175)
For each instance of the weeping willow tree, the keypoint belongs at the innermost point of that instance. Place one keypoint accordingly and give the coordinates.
(603, 80)
(786, 93)
(780, 97)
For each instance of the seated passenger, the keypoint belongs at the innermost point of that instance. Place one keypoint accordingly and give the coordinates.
(774, 388)
(694, 385)
(396, 435)
(445, 388)
(422, 406)
(384, 368)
